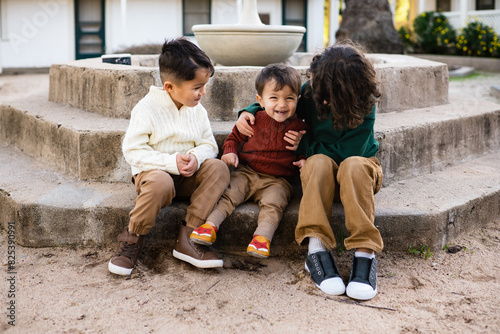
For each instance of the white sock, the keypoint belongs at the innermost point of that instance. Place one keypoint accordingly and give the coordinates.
(363, 254)
(315, 245)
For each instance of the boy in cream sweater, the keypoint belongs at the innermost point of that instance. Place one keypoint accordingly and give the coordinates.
(171, 148)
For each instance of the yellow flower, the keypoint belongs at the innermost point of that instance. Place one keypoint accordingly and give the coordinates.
(465, 48)
(439, 20)
(407, 36)
(424, 14)
(446, 41)
(484, 48)
(465, 41)
(491, 50)
(480, 36)
(478, 52)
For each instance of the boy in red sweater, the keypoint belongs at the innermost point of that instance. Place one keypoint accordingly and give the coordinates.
(263, 163)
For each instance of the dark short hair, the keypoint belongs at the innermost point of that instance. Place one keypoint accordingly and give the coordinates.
(282, 74)
(344, 83)
(179, 60)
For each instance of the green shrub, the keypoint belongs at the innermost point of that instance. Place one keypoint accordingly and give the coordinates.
(408, 38)
(478, 40)
(434, 33)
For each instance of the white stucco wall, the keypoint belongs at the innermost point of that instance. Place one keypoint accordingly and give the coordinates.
(146, 21)
(315, 25)
(273, 8)
(225, 12)
(1, 68)
(37, 33)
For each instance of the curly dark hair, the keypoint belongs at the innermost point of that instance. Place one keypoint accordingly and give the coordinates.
(343, 82)
(179, 60)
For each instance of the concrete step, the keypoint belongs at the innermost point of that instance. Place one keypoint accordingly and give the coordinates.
(51, 209)
(425, 140)
(113, 90)
(87, 146)
(82, 144)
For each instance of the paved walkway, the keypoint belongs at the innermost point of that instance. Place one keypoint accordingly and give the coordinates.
(476, 86)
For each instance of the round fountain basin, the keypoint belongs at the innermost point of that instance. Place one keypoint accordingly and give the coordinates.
(250, 45)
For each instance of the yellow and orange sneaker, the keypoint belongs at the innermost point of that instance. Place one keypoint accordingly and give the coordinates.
(204, 235)
(258, 247)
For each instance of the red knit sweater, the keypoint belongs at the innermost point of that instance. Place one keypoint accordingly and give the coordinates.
(265, 151)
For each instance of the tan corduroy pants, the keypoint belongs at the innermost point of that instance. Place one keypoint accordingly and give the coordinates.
(269, 192)
(354, 182)
(156, 189)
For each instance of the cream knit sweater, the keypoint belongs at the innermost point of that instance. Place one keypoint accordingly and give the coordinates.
(158, 131)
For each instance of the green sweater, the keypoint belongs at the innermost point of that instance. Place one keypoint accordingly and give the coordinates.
(323, 139)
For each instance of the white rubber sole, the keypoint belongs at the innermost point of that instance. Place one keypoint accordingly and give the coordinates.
(119, 270)
(198, 263)
(332, 286)
(201, 242)
(255, 254)
(360, 291)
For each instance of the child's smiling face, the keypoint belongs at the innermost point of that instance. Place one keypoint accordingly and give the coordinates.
(280, 104)
(188, 93)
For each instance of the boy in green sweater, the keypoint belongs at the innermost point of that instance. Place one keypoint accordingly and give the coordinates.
(338, 104)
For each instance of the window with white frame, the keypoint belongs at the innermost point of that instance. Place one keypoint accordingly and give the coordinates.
(443, 5)
(485, 4)
(195, 12)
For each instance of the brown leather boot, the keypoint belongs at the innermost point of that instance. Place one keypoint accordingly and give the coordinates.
(127, 254)
(198, 255)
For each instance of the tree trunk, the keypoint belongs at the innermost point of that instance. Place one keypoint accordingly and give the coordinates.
(369, 23)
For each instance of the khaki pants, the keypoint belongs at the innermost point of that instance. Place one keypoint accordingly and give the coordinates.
(354, 182)
(270, 192)
(156, 189)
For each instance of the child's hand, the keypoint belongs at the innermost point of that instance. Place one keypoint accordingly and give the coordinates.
(300, 163)
(243, 123)
(187, 164)
(293, 137)
(231, 159)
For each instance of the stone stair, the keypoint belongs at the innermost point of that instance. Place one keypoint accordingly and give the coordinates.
(68, 183)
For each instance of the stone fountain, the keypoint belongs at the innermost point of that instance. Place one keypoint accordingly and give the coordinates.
(249, 42)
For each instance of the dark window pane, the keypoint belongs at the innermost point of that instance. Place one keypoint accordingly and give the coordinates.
(195, 12)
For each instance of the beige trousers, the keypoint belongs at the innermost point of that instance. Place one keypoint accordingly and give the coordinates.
(156, 189)
(271, 193)
(354, 182)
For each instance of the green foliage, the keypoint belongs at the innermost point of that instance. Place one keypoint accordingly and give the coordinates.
(408, 38)
(421, 251)
(434, 33)
(478, 40)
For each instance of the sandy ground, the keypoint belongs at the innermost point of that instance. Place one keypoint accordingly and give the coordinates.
(66, 290)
